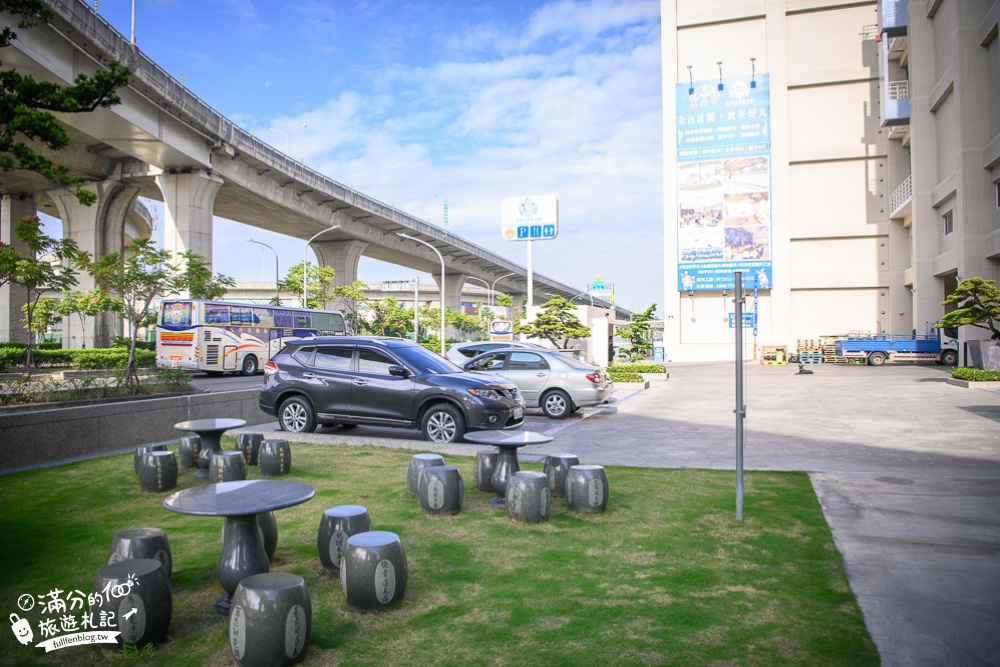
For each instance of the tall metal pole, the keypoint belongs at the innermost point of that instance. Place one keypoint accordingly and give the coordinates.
(531, 280)
(133, 22)
(277, 291)
(438, 253)
(416, 309)
(740, 406)
(305, 273)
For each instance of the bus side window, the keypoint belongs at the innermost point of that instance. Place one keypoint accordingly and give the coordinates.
(263, 317)
(302, 320)
(283, 318)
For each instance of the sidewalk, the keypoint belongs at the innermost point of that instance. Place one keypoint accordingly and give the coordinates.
(905, 466)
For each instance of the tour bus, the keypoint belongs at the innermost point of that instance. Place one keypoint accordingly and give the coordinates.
(220, 336)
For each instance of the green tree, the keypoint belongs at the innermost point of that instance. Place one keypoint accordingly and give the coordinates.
(388, 318)
(27, 105)
(39, 317)
(506, 301)
(84, 304)
(638, 332)
(353, 298)
(319, 282)
(557, 323)
(200, 282)
(49, 264)
(977, 302)
(134, 280)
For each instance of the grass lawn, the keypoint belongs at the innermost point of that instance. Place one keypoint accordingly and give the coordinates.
(666, 576)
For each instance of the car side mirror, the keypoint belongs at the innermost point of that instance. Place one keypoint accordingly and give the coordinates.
(399, 371)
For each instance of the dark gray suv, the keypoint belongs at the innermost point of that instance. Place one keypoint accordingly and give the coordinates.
(383, 382)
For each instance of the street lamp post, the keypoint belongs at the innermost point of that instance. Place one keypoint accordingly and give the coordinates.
(485, 284)
(277, 290)
(440, 257)
(305, 273)
(493, 287)
(288, 135)
(579, 295)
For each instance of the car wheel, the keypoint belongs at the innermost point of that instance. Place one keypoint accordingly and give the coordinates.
(443, 423)
(556, 404)
(249, 365)
(296, 416)
(949, 358)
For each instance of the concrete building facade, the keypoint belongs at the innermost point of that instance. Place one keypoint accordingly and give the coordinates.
(883, 148)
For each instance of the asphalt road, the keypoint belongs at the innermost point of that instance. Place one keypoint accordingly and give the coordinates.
(905, 466)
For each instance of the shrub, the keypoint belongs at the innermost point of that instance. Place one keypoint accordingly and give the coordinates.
(113, 358)
(975, 375)
(625, 376)
(637, 368)
(121, 341)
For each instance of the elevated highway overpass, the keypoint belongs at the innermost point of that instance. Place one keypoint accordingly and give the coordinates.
(165, 143)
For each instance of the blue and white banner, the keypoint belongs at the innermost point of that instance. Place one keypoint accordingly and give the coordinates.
(723, 183)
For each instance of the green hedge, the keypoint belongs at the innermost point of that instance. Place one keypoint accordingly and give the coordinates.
(80, 360)
(637, 368)
(625, 376)
(975, 375)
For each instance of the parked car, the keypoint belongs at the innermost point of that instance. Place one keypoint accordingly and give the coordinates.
(555, 382)
(459, 353)
(383, 382)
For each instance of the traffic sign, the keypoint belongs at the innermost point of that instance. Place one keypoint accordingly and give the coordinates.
(530, 218)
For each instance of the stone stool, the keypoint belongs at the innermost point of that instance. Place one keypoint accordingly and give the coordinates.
(267, 531)
(418, 463)
(486, 463)
(587, 489)
(157, 471)
(189, 450)
(275, 458)
(132, 597)
(555, 468)
(249, 444)
(144, 449)
(227, 467)
(337, 524)
(441, 490)
(141, 543)
(270, 620)
(373, 573)
(528, 496)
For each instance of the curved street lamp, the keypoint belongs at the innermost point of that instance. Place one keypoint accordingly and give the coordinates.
(493, 287)
(288, 135)
(277, 291)
(305, 273)
(440, 257)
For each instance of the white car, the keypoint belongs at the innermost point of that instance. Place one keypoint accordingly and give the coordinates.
(459, 353)
(555, 382)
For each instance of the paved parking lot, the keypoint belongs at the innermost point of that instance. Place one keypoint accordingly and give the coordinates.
(906, 468)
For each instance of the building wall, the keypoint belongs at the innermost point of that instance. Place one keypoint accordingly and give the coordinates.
(842, 259)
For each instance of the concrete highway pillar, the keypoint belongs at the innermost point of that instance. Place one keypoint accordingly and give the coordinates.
(12, 297)
(188, 201)
(98, 229)
(451, 296)
(343, 256)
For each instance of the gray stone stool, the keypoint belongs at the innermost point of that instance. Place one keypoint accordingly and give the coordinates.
(528, 496)
(144, 449)
(418, 463)
(141, 543)
(249, 444)
(157, 471)
(486, 463)
(227, 467)
(555, 468)
(441, 490)
(270, 620)
(373, 573)
(189, 450)
(134, 597)
(275, 458)
(337, 524)
(587, 489)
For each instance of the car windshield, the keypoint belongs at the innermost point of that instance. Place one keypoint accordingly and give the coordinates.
(425, 362)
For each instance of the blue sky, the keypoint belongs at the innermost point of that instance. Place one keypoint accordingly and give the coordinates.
(414, 103)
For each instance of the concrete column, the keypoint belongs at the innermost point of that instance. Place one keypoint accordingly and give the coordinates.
(343, 256)
(451, 295)
(12, 297)
(98, 229)
(189, 200)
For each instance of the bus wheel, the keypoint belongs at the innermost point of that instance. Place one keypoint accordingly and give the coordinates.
(249, 365)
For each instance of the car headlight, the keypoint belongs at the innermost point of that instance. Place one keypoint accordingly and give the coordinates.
(485, 394)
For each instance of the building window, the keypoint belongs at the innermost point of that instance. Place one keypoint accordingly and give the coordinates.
(948, 222)
(996, 187)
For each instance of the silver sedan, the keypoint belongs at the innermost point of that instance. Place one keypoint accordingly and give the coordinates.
(555, 382)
